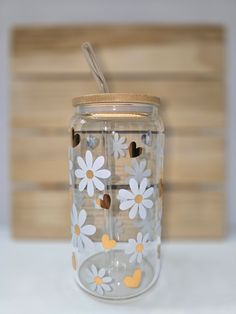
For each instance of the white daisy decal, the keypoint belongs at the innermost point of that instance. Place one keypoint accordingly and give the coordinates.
(137, 200)
(118, 146)
(138, 170)
(138, 248)
(151, 224)
(90, 171)
(80, 231)
(98, 281)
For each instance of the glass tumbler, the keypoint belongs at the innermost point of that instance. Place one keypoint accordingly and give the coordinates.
(116, 166)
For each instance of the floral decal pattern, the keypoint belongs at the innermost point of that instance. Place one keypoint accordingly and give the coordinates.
(90, 173)
(118, 146)
(80, 231)
(98, 281)
(138, 170)
(138, 248)
(137, 200)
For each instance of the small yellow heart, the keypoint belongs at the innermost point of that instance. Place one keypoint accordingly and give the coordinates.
(133, 281)
(107, 243)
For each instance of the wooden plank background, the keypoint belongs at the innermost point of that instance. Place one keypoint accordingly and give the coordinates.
(183, 65)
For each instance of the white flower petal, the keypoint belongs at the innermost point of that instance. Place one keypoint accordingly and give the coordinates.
(129, 170)
(124, 194)
(135, 165)
(82, 217)
(139, 237)
(122, 153)
(105, 287)
(87, 242)
(143, 186)
(90, 188)
(98, 184)
(98, 163)
(79, 173)
(104, 173)
(94, 270)
(148, 193)
(145, 238)
(116, 155)
(122, 140)
(80, 244)
(127, 204)
(83, 184)
(139, 258)
(90, 276)
(81, 163)
(88, 230)
(147, 203)
(147, 173)
(142, 164)
(93, 286)
(133, 211)
(101, 272)
(89, 159)
(100, 290)
(132, 242)
(107, 279)
(130, 247)
(142, 211)
(133, 257)
(134, 186)
(116, 137)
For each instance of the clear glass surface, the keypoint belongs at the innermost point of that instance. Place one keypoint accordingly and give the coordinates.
(116, 167)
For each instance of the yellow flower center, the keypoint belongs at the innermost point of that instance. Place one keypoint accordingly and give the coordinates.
(98, 280)
(89, 174)
(77, 230)
(138, 198)
(139, 248)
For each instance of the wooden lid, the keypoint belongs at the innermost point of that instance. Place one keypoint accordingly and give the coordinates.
(115, 98)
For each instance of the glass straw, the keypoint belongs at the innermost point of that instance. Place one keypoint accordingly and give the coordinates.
(103, 87)
(95, 67)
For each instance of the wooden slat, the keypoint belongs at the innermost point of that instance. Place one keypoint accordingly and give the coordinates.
(189, 159)
(189, 104)
(187, 214)
(194, 214)
(39, 159)
(41, 214)
(183, 65)
(127, 49)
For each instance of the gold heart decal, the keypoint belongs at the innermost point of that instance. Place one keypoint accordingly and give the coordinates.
(107, 243)
(134, 151)
(75, 137)
(134, 280)
(105, 202)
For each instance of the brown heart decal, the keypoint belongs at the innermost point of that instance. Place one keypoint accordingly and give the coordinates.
(134, 151)
(105, 202)
(75, 138)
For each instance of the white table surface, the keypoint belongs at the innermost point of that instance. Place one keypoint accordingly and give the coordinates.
(196, 277)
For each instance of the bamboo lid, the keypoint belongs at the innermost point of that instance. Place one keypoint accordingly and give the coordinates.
(109, 98)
